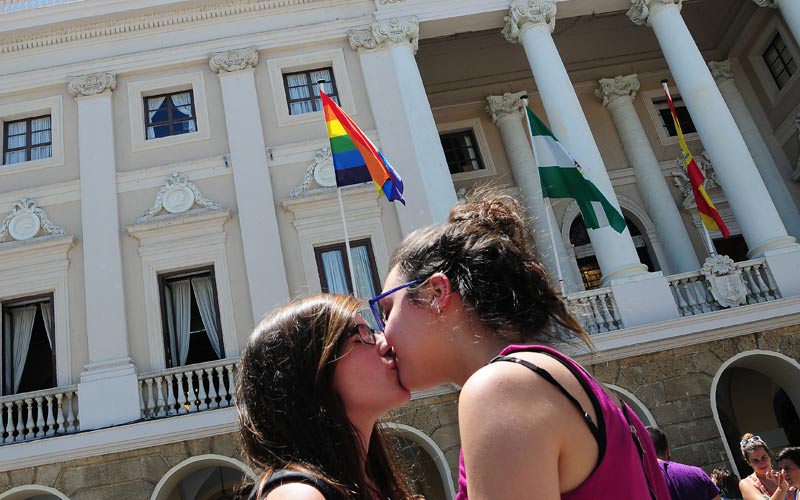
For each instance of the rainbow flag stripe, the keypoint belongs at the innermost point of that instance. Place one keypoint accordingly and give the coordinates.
(355, 158)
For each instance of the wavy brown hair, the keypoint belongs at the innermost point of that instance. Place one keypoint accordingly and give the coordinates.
(290, 417)
(483, 249)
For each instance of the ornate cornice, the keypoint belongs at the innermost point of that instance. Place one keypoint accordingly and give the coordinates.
(523, 13)
(721, 70)
(27, 221)
(92, 84)
(233, 60)
(640, 11)
(619, 86)
(380, 34)
(141, 23)
(508, 103)
(766, 3)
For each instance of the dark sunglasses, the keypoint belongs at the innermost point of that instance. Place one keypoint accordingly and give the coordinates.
(375, 303)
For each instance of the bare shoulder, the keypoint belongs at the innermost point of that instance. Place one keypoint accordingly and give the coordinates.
(295, 491)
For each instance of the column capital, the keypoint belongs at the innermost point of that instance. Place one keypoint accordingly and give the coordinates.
(721, 70)
(612, 89)
(91, 84)
(501, 105)
(397, 30)
(233, 60)
(524, 13)
(766, 3)
(641, 10)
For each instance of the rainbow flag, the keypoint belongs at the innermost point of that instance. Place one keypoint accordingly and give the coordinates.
(705, 207)
(355, 158)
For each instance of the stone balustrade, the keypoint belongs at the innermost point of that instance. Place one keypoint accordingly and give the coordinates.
(34, 415)
(188, 389)
(20, 5)
(596, 310)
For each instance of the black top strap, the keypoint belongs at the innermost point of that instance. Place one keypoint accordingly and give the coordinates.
(546, 375)
(286, 476)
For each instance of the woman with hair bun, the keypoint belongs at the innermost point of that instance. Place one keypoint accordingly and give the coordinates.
(467, 302)
(764, 483)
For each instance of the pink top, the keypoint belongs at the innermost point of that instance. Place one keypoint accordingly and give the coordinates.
(618, 473)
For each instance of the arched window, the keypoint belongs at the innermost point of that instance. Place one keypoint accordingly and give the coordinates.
(204, 477)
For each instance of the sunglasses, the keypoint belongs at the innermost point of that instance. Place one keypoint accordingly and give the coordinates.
(751, 439)
(375, 304)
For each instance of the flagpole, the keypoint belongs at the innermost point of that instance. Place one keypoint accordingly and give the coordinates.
(547, 207)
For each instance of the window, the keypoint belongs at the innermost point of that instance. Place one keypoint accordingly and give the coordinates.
(461, 151)
(28, 361)
(779, 60)
(334, 272)
(666, 116)
(192, 331)
(27, 140)
(170, 114)
(302, 90)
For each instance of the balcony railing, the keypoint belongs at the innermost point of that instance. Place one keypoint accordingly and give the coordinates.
(188, 389)
(20, 5)
(596, 310)
(39, 414)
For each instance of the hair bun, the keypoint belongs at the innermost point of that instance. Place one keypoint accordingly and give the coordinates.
(485, 210)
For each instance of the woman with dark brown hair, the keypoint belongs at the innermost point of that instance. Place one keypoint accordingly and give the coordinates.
(764, 483)
(313, 380)
(533, 424)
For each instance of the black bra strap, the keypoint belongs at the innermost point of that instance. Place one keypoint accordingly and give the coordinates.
(546, 375)
(286, 476)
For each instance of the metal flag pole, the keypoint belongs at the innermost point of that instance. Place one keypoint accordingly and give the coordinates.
(349, 255)
(547, 207)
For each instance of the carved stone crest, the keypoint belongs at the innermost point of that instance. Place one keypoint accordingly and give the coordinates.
(92, 84)
(725, 281)
(680, 178)
(177, 196)
(320, 171)
(233, 60)
(27, 221)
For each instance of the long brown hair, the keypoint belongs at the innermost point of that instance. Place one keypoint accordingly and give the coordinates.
(483, 249)
(290, 417)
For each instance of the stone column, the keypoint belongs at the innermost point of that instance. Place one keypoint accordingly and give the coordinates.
(108, 390)
(506, 111)
(791, 13)
(263, 256)
(403, 116)
(531, 23)
(770, 174)
(755, 213)
(617, 95)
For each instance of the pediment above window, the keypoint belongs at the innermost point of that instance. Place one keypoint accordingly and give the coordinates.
(28, 222)
(178, 197)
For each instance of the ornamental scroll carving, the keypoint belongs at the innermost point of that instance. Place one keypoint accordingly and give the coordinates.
(384, 33)
(319, 171)
(725, 280)
(721, 70)
(619, 86)
(178, 195)
(641, 9)
(680, 178)
(27, 221)
(766, 3)
(524, 12)
(499, 105)
(233, 60)
(92, 84)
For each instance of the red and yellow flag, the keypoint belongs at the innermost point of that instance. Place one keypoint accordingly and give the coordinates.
(705, 207)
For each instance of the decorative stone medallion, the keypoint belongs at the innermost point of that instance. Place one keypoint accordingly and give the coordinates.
(320, 171)
(178, 196)
(27, 221)
(178, 199)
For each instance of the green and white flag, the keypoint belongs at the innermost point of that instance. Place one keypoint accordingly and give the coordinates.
(562, 177)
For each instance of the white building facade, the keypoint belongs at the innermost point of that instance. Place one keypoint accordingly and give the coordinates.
(166, 181)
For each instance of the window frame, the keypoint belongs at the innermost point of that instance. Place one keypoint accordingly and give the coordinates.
(653, 99)
(784, 64)
(476, 126)
(28, 147)
(30, 109)
(165, 277)
(170, 108)
(323, 281)
(17, 302)
(310, 86)
(756, 59)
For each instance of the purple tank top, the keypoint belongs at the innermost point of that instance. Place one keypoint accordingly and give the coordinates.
(618, 473)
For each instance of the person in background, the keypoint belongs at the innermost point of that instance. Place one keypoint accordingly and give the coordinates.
(467, 302)
(788, 461)
(727, 482)
(313, 380)
(685, 482)
(764, 483)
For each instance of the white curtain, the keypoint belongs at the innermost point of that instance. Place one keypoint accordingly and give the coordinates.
(335, 274)
(5, 364)
(181, 310)
(363, 271)
(153, 105)
(183, 104)
(22, 326)
(16, 139)
(298, 89)
(204, 295)
(47, 317)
